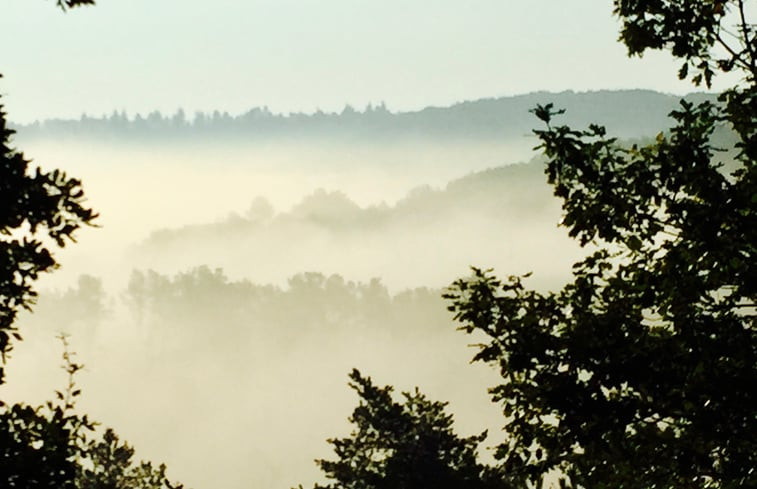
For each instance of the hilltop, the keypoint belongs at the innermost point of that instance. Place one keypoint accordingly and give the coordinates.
(626, 113)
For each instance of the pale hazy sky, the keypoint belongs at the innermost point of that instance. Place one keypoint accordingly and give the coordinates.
(300, 55)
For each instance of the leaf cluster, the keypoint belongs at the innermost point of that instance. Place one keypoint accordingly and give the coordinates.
(690, 30)
(109, 465)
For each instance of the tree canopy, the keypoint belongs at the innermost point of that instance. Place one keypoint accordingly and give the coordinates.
(35, 205)
(67, 4)
(403, 445)
(691, 29)
(641, 372)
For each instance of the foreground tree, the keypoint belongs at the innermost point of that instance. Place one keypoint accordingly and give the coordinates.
(109, 464)
(642, 372)
(40, 446)
(403, 445)
(35, 206)
(49, 446)
(52, 446)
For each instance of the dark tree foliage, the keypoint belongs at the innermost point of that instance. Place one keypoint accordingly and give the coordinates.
(110, 466)
(403, 445)
(66, 4)
(53, 447)
(34, 205)
(36, 449)
(642, 372)
(48, 446)
(40, 446)
(690, 29)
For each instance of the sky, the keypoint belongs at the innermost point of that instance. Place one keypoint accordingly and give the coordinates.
(305, 55)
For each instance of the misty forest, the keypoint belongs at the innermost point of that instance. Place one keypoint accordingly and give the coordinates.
(553, 289)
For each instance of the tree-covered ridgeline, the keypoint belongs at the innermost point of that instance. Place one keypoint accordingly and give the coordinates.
(629, 113)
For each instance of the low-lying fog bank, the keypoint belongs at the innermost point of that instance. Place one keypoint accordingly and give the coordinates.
(230, 290)
(236, 384)
(413, 216)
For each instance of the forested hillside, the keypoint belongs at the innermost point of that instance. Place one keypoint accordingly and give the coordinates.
(627, 113)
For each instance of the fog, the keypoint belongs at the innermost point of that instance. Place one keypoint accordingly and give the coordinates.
(354, 209)
(232, 285)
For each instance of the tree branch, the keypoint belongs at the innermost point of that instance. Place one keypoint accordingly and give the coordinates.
(736, 56)
(747, 41)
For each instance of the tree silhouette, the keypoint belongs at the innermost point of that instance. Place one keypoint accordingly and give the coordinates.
(52, 446)
(403, 445)
(642, 372)
(47, 446)
(40, 446)
(34, 205)
(66, 4)
(110, 466)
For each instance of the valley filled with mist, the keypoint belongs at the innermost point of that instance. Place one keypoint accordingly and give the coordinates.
(243, 265)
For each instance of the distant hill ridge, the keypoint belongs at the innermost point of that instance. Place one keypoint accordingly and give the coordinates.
(519, 189)
(626, 113)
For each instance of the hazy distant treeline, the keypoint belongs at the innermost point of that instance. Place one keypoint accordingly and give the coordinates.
(167, 351)
(627, 113)
(202, 308)
(427, 238)
(513, 190)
